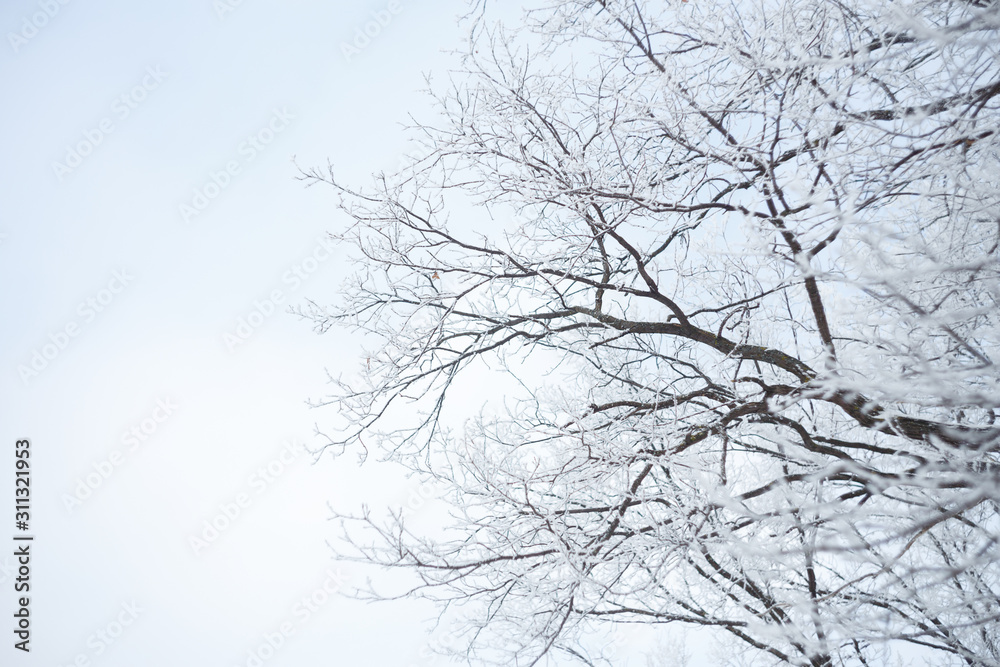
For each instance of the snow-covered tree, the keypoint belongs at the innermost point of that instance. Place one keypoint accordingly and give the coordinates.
(738, 263)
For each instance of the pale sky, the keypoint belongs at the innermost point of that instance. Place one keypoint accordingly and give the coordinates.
(152, 236)
(134, 297)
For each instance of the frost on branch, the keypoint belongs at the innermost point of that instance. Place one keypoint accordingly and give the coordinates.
(733, 269)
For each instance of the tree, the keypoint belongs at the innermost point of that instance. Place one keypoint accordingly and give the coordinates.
(741, 258)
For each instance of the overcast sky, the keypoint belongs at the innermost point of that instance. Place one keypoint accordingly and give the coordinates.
(153, 234)
(148, 203)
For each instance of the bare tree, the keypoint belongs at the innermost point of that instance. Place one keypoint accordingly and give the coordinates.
(742, 259)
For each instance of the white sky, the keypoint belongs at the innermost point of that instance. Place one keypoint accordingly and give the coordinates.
(161, 336)
(174, 92)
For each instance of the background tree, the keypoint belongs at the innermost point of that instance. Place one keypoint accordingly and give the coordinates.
(742, 259)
